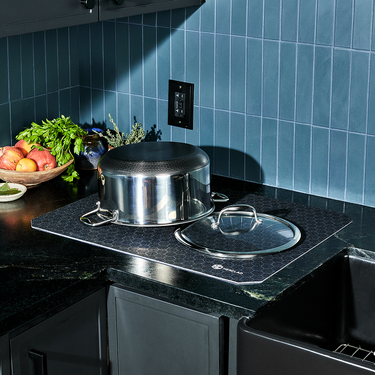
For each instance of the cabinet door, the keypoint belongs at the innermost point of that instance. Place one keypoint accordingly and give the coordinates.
(156, 337)
(24, 16)
(4, 355)
(71, 342)
(110, 9)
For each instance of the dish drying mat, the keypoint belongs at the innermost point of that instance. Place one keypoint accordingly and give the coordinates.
(159, 244)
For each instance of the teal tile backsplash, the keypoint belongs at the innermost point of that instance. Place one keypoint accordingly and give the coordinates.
(284, 89)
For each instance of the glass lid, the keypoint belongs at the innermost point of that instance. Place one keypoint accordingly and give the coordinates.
(239, 232)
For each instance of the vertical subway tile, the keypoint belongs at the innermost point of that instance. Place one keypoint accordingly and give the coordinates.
(355, 167)
(136, 19)
(3, 70)
(27, 65)
(85, 105)
(340, 89)
(223, 16)
(51, 61)
(53, 108)
(254, 77)
(304, 83)
(150, 118)
(63, 57)
(369, 188)
(74, 61)
(302, 158)
(270, 78)
(96, 58)
(358, 91)
(149, 19)
(371, 104)
(253, 171)
(136, 75)
(192, 62)
(271, 19)
(163, 61)
(206, 83)
(322, 86)
(74, 103)
(237, 145)
(307, 13)
(15, 67)
(84, 55)
(178, 55)
(65, 102)
(269, 151)
(163, 18)
(239, 17)
(221, 151)
(162, 123)
(193, 136)
(5, 134)
(208, 17)
(289, 20)
(222, 70)
(17, 119)
(178, 18)
(255, 18)
(207, 129)
(319, 161)
(149, 51)
(324, 22)
(285, 154)
(287, 80)
(343, 23)
(122, 57)
(110, 105)
(109, 55)
(41, 108)
(192, 18)
(362, 24)
(136, 109)
(123, 114)
(337, 164)
(237, 82)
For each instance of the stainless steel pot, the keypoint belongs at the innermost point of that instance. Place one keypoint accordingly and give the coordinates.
(154, 184)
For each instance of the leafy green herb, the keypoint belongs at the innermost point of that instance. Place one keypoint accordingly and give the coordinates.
(6, 190)
(60, 136)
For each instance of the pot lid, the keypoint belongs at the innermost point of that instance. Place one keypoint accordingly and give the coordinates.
(239, 232)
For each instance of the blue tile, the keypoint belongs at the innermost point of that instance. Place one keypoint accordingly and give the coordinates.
(162, 124)
(206, 83)
(337, 164)
(222, 70)
(340, 89)
(270, 78)
(178, 55)
(304, 83)
(324, 22)
(122, 58)
(163, 19)
(289, 20)
(41, 108)
(223, 16)
(237, 146)
(269, 151)
(239, 17)
(149, 50)
(17, 119)
(369, 188)
(109, 41)
(3, 70)
(149, 19)
(302, 158)
(355, 167)
(63, 58)
(192, 62)
(254, 77)
(27, 66)
(150, 110)
(343, 23)
(192, 18)
(371, 106)
(238, 74)
(178, 18)
(65, 102)
(208, 17)
(110, 105)
(136, 76)
(207, 129)
(84, 55)
(322, 86)
(53, 105)
(221, 151)
(85, 105)
(123, 115)
(307, 12)
(74, 61)
(163, 61)
(15, 67)
(137, 19)
(5, 134)
(51, 61)
(358, 92)
(285, 147)
(96, 51)
(287, 80)
(136, 109)
(74, 103)
(255, 18)
(253, 146)
(362, 24)
(271, 19)
(193, 136)
(319, 161)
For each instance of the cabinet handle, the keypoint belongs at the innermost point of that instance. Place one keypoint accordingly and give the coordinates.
(90, 4)
(40, 362)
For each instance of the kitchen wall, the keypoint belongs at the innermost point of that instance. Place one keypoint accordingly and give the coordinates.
(284, 89)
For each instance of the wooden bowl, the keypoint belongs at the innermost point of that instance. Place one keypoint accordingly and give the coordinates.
(32, 178)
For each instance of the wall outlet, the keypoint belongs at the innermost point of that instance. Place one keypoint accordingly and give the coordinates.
(181, 104)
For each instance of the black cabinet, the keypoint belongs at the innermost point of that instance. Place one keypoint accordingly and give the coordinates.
(151, 336)
(74, 342)
(4, 355)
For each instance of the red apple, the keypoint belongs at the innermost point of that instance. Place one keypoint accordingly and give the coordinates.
(24, 146)
(43, 159)
(9, 157)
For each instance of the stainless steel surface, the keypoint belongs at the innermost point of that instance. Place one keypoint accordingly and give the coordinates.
(357, 352)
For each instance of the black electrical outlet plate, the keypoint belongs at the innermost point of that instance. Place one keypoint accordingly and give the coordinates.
(181, 104)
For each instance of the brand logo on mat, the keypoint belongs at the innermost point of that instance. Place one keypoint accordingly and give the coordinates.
(220, 267)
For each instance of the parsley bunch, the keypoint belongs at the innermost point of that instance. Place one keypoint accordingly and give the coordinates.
(60, 136)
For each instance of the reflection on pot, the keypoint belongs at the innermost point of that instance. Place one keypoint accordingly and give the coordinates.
(95, 147)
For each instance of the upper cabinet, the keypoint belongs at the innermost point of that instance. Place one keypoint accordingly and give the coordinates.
(25, 16)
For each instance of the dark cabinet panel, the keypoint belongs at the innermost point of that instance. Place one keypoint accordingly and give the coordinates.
(71, 342)
(24, 16)
(156, 337)
(4, 355)
(110, 9)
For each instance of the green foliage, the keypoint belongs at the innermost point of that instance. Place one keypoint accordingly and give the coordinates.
(60, 136)
(6, 190)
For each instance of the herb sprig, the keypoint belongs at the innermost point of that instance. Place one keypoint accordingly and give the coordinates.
(58, 135)
(5, 189)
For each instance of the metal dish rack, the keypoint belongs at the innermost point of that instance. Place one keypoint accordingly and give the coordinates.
(356, 352)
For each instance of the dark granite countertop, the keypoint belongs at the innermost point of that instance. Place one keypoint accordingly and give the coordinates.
(41, 273)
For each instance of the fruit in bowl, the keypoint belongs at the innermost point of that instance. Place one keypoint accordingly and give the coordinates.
(9, 157)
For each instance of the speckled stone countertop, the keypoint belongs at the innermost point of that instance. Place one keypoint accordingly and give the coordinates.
(41, 273)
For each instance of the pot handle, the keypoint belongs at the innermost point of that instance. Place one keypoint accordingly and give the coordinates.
(85, 220)
(220, 197)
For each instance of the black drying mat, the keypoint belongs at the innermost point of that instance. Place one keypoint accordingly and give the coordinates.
(159, 244)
